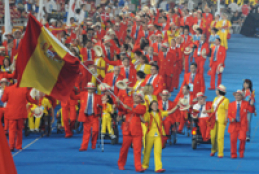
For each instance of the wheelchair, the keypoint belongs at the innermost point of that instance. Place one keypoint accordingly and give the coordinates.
(196, 135)
(45, 127)
(187, 126)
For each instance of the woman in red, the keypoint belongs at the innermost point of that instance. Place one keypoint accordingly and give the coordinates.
(16, 112)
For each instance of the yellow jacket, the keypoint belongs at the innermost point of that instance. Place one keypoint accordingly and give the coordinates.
(169, 32)
(145, 68)
(220, 24)
(155, 123)
(107, 110)
(222, 109)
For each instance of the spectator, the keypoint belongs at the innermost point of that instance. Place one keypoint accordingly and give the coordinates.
(236, 22)
(246, 9)
(234, 7)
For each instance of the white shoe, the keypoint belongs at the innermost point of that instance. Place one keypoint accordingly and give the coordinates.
(113, 136)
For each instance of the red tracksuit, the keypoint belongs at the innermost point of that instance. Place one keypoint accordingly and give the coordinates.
(132, 133)
(16, 112)
(89, 121)
(238, 129)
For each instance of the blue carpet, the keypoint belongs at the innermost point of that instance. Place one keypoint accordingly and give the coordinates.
(56, 155)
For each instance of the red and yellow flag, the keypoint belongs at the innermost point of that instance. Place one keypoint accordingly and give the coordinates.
(44, 63)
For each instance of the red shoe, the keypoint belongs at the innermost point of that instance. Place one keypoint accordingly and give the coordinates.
(220, 156)
(212, 154)
(82, 149)
(121, 168)
(68, 136)
(233, 156)
(211, 88)
(141, 170)
(160, 171)
(241, 155)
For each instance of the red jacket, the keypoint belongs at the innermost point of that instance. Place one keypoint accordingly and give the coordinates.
(187, 41)
(108, 79)
(132, 124)
(16, 98)
(154, 58)
(84, 53)
(198, 84)
(221, 55)
(83, 97)
(132, 75)
(176, 115)
(155, 47)
(203, 46)
(157, 83)
(232, 110)
(188, 21)
(112, 52)
(100, 34)
(208, 18)
(167, 63)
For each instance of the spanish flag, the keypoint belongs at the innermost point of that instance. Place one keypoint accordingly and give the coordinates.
(44, 63)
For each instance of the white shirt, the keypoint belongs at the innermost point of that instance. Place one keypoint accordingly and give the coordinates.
(198, 107)
(1, 94)
(150, 98)
(240, 102)
(187, 97)
(152, 79)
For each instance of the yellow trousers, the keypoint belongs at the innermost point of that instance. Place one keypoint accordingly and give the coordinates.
(223, 37)
(34, 125)
(151, 141)
(144, 131)
(107, 124)
(217, 138)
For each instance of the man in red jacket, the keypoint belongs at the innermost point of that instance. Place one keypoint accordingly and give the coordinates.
(132, 131)
(194, 80)
(201, 52)
(165, 104)
(112, 78)
(237, 115)
(201, 116)
(155, 80)
(166, 61)
(16, 112)
(218, 56)
(88, 114)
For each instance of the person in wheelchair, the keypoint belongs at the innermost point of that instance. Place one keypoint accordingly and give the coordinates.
(200, 117)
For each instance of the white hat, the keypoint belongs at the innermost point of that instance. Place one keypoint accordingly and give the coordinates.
(188, 50)
(222, 88)
(220, 69)
(239, 92)
(90, 85)
(200, 94)
(140, 94)
(122, 84)
(166, 92)
(34, 93)
(38, 112)
(165, 45)
(104, 87)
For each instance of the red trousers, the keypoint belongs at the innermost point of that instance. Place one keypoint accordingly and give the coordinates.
(177, 75)
(200, 63)
(169, 81)
(15, 133)
(205, 132)
(213, 76)
(186, 63)
(183, 119)
(241, 135)
(137, 145)
(92, 122)
(66, 111)
(167, 123)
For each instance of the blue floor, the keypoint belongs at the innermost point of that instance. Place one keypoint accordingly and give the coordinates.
(56, 155)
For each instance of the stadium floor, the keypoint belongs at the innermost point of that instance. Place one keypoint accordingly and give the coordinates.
(55, 154)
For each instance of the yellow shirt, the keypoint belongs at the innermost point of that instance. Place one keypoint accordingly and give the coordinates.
(221, 23)
(137, 84)
(170, 37)
(153, 128)
(222, 109)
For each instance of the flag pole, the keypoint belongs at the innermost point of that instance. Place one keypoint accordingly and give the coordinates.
(101, 82)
